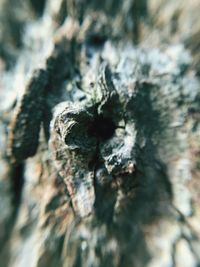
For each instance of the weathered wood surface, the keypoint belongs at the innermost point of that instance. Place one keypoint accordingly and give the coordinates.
(99, 133)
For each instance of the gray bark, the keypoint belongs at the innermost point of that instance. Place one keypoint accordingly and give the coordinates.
(99, 127)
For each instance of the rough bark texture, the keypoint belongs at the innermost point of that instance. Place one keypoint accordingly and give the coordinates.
(99, 133)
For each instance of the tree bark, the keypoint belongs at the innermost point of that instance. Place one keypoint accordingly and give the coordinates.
(99, 127)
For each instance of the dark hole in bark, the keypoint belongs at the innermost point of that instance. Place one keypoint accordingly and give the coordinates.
(102, 128)
(38, 6)
(95, 40)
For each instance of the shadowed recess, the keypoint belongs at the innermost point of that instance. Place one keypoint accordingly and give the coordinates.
(102, 128)
(38, 6)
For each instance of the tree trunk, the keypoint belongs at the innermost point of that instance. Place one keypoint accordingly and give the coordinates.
(99, 127)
